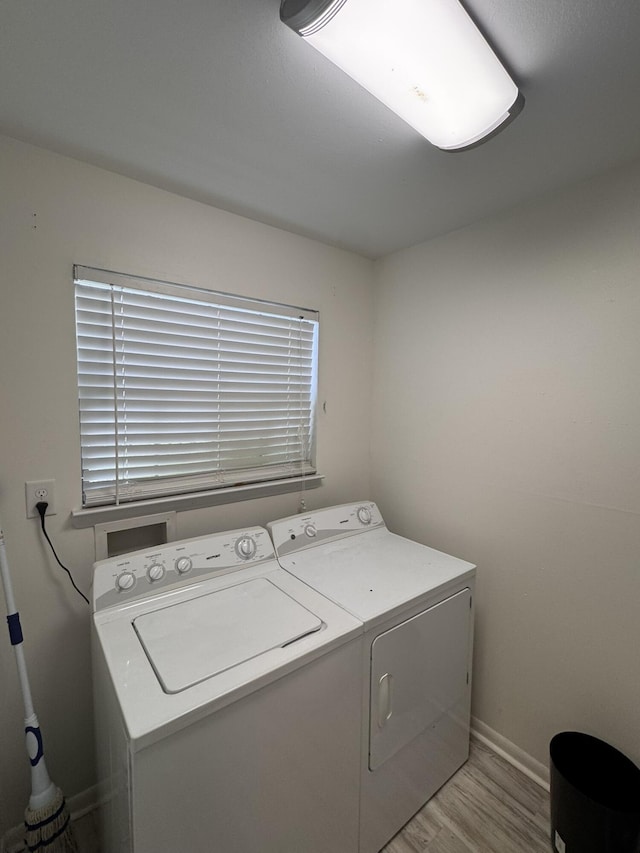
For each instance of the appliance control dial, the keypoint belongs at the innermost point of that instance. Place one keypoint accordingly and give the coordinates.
(246, 547)
(310, 530)
(364, 515)
(125, 581)
(183, 564)
(155, 572)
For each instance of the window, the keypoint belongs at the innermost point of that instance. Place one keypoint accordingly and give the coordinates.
(183, 390)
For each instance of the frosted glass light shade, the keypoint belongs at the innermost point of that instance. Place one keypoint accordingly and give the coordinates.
(425, 59)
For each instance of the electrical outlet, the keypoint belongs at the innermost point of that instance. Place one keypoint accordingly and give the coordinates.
(40, 490)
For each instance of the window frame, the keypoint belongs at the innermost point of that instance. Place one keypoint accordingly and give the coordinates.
(216, 493)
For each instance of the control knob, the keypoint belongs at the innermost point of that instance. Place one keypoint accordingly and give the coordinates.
(125, 581)
(246, 547)
(364, 515)
(155, 572)
(310, 530)
(183, 565)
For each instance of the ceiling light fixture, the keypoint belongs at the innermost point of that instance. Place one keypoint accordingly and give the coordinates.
(425, 59)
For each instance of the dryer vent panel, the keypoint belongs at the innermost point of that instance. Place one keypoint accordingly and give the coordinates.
(134, 534)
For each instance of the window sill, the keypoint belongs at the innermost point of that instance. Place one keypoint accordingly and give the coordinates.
(90, 516)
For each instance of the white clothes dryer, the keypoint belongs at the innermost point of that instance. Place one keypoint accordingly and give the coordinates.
(416, 605)
(227, 703)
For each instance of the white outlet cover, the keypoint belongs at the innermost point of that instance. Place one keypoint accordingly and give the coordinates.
(32, 496)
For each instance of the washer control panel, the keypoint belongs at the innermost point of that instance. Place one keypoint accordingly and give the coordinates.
(305, 531)
(143, 573)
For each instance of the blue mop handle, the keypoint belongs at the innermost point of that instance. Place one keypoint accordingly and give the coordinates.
(40, 780)
(15, 629)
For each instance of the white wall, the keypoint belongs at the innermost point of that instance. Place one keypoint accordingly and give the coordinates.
(55, 212)
(506, 430)
(506, 418)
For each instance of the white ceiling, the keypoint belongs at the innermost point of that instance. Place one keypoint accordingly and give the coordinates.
(219, 101)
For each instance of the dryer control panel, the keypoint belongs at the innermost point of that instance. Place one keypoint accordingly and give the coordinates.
(299, 532)
(144, 573)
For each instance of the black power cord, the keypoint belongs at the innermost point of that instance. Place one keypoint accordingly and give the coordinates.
(41, 506)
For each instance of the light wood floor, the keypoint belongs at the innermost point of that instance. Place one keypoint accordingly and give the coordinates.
(487, 807)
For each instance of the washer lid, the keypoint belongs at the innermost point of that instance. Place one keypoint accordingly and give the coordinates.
(189, 642)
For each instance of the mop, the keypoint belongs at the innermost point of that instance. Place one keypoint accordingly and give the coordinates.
(47, 821)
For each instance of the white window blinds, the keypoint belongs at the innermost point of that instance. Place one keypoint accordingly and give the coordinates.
(183, 390)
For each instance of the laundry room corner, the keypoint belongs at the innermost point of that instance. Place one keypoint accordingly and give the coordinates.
(505, 424)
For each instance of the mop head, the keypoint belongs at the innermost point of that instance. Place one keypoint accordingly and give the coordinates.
(48, 829)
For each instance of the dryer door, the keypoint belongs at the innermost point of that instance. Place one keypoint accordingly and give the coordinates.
(419, 672)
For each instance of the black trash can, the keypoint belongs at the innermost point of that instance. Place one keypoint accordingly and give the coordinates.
(595, 797)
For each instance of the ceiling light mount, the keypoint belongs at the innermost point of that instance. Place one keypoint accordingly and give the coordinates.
(308, 16)
(425, 59)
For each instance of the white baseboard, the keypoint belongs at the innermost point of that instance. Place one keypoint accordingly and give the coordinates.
(79, 805)
(535, 770)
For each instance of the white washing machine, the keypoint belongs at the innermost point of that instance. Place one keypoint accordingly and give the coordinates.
(227, 702)
(416, 605)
